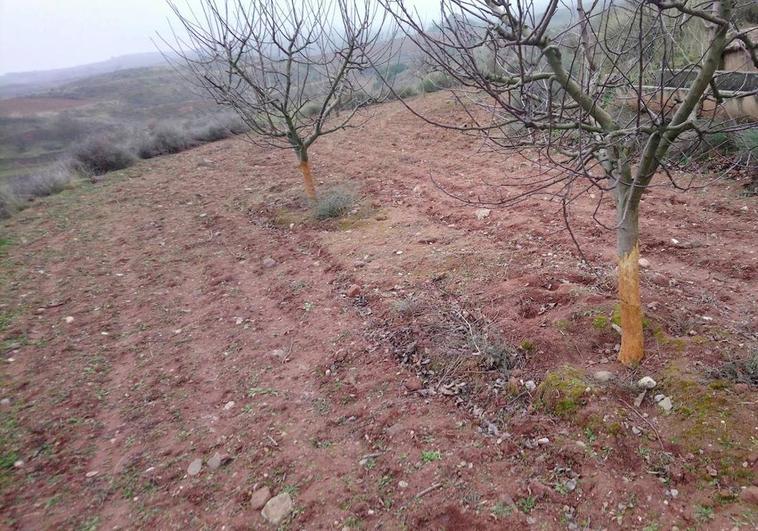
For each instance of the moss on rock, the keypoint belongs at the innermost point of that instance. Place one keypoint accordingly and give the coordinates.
(562, 391)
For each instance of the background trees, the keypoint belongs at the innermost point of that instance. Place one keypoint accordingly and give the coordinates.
(549, 83)
(293, 71)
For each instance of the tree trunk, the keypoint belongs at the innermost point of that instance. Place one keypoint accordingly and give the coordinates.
(632, 341)
(305, 167)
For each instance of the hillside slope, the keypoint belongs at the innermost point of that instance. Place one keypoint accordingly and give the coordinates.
(376, 368)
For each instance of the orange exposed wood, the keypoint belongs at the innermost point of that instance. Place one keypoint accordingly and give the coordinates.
(632, 341)
(310, 186)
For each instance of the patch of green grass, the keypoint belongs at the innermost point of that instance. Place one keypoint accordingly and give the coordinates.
(590, 434)
(428, 456)
(703, 513)
(6, 318)
(600, 322)
(261, 391)
(353, 522)
(527, 504)
(561, 391)
(527, 346)
(4, 244)
(501, 510)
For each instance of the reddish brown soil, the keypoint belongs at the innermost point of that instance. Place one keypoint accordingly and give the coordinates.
(31, 106)
(175, 315)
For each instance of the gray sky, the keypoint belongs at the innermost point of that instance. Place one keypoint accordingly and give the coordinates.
(48, 34)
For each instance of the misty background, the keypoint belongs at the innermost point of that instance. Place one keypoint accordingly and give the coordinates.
(51, 34)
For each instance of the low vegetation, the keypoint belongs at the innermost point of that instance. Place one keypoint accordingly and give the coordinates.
(96, 155)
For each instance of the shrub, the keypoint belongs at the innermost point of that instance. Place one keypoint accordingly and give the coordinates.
(333, 205)
(436, 81)
(9, 203)
(163, 140)
(211, 133)
(97, 156)
(53, 180)
(406, 92)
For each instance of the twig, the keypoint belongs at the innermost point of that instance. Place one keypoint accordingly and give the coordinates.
(428, 490)
(634, 410)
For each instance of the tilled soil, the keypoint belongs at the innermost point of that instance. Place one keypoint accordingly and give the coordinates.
(375, 367)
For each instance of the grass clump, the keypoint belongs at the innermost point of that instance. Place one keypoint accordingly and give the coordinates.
(562, 391)
(333, 204)
(600, 322)
(741, 370)
(429, 456)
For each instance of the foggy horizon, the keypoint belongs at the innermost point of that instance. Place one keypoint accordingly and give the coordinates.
(40, 35)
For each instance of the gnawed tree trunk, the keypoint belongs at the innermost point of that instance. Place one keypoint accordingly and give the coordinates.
(632, 340)
(305, 168)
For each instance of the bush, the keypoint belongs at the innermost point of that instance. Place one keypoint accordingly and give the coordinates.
(9, 203)
(164, 140)
(52, 181)
(97, 156)
(21, 188)
(333, 205)
(436, 81)
(211, 133)
(406, 92)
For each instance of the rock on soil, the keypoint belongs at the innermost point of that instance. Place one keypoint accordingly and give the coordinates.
(644, 263)
(259, 498)
(646, 382)
(354, 290)
(195, 466)
(482, 213)
(603, 376)
(269, 262)
(277, 508)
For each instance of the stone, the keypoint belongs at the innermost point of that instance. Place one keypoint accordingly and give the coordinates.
(91, 474)
(277, 508)
(482, 213)
(259, 498)
(414, 384)
(640, 398)
(269, 262)
(530, 385)
(5, 402)
(195, 466)
(354, 290)
(750, 495)
(215, 462)
(543, 441)
(665, 404)
(644, 263)
(229, 405)
(603, 376)
(402, 484)
(646, 382)
(69, 319)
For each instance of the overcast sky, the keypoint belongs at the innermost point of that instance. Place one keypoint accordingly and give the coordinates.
(47, 34)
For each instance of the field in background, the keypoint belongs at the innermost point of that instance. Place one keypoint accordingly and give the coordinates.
(37, 129)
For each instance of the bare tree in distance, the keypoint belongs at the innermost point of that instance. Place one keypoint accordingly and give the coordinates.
(548, 84)
(292, 70)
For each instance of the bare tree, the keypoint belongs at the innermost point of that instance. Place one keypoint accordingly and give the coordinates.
(293, 70)
(548, 81)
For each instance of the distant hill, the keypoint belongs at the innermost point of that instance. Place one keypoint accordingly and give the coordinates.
(16, 84)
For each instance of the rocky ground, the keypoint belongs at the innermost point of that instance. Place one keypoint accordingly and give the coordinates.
(186, 346)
